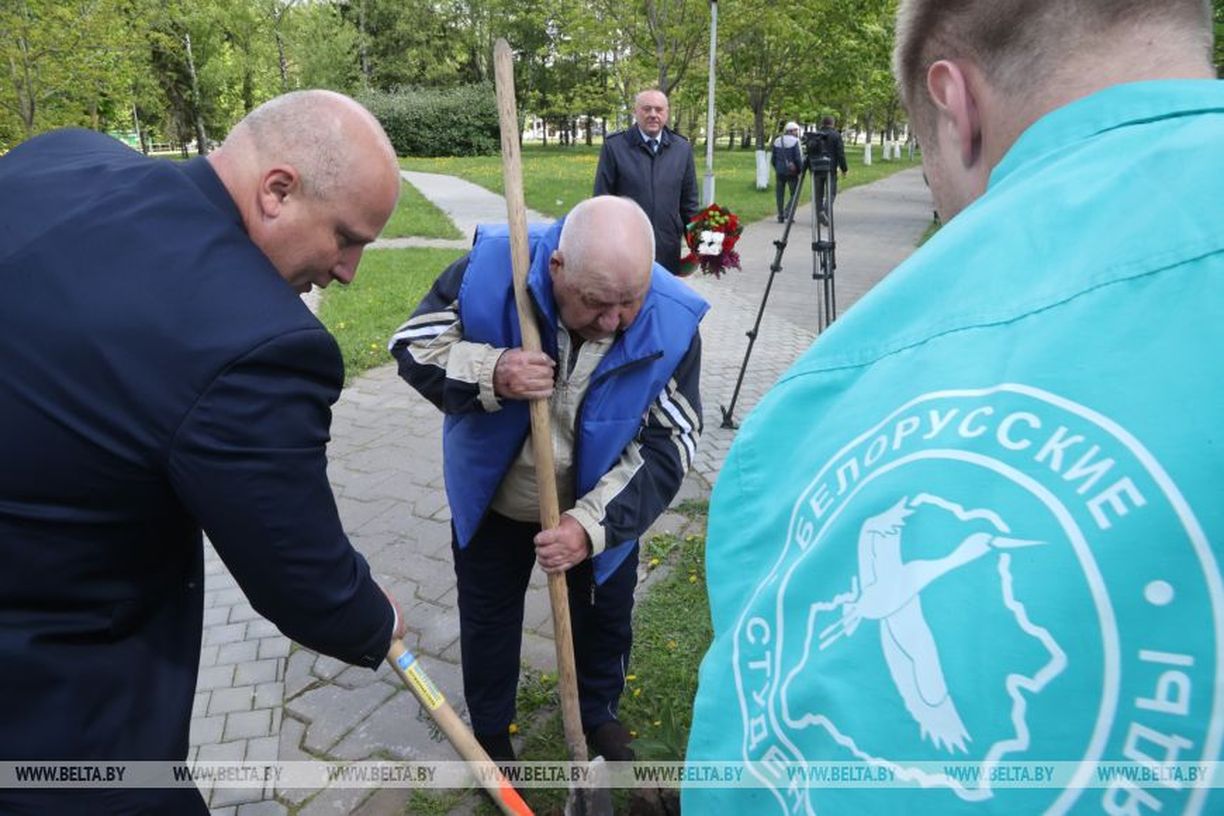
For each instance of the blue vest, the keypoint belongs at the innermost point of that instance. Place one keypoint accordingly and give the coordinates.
(478, 448)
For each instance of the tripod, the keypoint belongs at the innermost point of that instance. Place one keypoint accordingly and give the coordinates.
(824, 259)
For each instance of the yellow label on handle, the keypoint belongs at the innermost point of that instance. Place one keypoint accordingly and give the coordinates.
(425, 690)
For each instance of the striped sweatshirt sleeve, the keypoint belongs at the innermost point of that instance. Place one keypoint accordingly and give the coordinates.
(643, 482)
(454, 374)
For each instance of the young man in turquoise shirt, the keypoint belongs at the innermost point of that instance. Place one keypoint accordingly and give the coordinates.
(964, 557)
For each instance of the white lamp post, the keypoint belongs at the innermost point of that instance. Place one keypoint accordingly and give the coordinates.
(708, 189)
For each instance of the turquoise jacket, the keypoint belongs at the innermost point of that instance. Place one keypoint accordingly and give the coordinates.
(964, 557)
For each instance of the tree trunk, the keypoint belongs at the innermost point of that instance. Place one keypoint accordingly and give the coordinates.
(362, 49)
(248, 92)
(730, 138)
(590, 125)
(281, 62)
(23, 85)
(140, 134)
(198, 119)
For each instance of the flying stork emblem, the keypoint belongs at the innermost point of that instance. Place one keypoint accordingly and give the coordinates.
(889, 590)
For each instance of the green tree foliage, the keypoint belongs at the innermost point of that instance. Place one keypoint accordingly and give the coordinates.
(1218, 8)
(669, 35)
(186, 70)
(321, 48)
(769, 56)
(62, 62)
(404, 43)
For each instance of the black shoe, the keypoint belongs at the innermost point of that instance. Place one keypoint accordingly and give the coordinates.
(497, 746)
(611, 741)
(824, 219)
(781, 218)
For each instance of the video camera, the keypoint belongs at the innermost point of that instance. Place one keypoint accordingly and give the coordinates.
(818, 147)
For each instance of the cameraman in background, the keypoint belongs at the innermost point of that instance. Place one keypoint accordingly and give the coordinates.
(787, 162)
(828, 141)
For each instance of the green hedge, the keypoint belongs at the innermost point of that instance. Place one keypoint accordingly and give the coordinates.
(458, 121)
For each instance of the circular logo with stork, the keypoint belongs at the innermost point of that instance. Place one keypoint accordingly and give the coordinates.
(996, 596)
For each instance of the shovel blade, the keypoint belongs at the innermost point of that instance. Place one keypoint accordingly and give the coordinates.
(595, 798)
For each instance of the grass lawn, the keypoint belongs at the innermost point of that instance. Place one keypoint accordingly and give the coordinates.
(388, 286)
(556, 178)
(416, 217)
(671, 634)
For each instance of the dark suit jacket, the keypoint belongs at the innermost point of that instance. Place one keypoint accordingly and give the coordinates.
(664, 184)
(159, 377)
(837, 148)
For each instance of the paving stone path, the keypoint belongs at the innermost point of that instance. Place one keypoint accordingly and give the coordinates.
(259, 697)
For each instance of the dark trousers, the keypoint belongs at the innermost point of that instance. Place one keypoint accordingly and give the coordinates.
(783, 199)
(819, 180)
(493, 572)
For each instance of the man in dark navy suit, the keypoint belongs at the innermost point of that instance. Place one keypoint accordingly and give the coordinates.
(162, 376)
(653, 165)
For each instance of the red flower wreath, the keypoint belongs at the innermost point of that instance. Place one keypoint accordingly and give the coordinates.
(711, 238)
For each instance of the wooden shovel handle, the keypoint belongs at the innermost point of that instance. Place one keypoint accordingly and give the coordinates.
(541, 434)
(495, 784)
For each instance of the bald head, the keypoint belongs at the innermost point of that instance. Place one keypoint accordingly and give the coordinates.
(322, 133)
(602, 267)
(608, 237)
(315, 179)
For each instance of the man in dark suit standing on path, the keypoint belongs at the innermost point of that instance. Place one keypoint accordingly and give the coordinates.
(654, 166)
(162, 376)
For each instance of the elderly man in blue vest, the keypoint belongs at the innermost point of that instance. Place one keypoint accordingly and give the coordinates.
(620, 368)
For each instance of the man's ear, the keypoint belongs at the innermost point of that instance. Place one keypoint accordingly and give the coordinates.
(556, 262)
(956, 104)
(275, 186)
